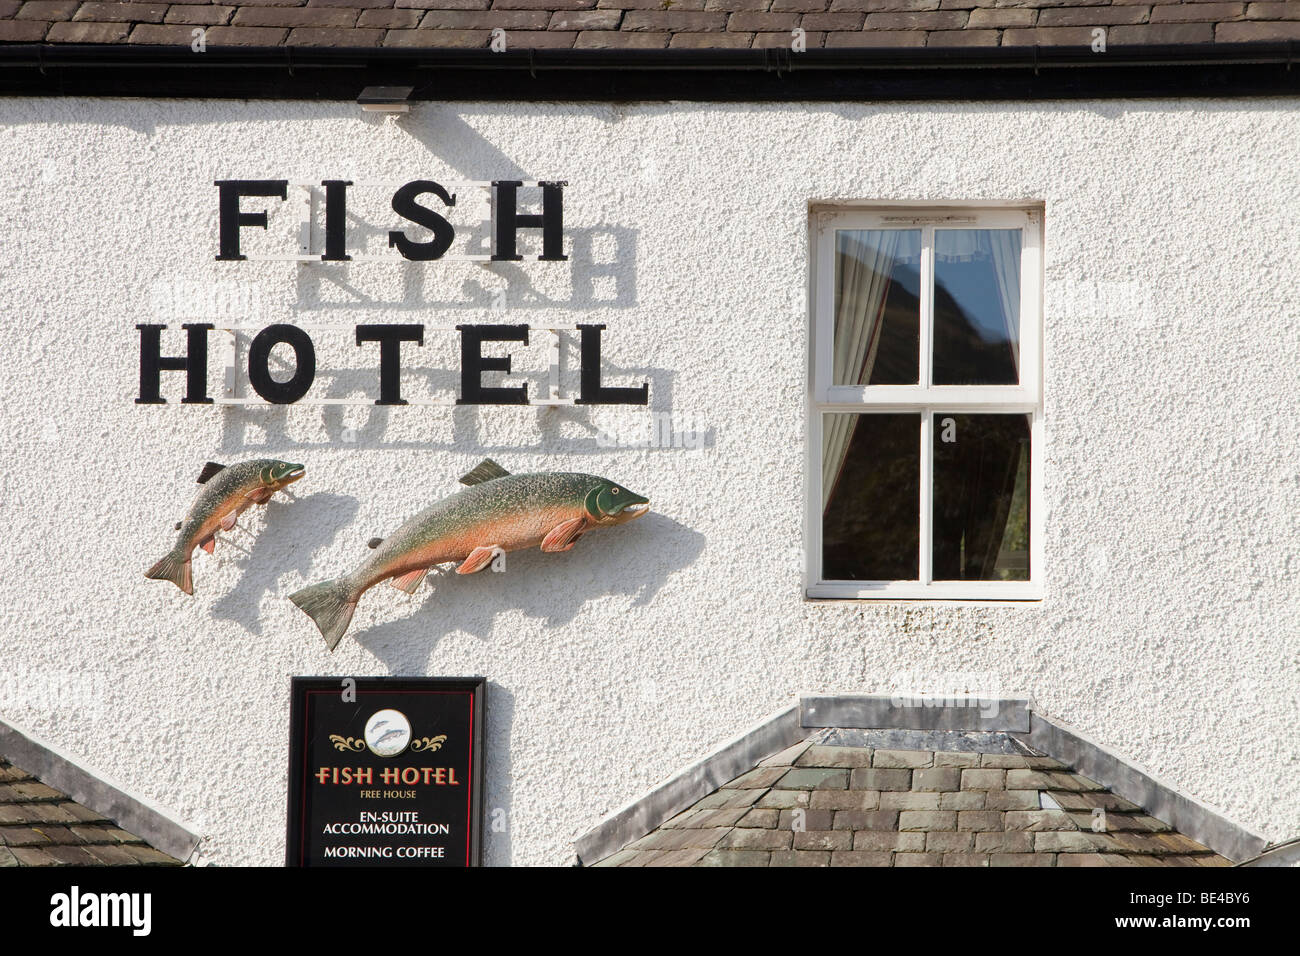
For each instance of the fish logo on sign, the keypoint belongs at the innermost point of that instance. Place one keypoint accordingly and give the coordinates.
(388, 733)
(383, 732)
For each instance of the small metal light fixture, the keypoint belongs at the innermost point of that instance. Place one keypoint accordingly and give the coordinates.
(386, 99)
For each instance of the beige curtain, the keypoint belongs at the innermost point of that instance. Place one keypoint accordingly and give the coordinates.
(864, 260)
(1004, 247)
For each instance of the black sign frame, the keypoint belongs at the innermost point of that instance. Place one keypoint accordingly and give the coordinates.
(297, 841)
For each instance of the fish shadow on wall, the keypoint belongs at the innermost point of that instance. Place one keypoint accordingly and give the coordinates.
(631, 564)
(294, 531)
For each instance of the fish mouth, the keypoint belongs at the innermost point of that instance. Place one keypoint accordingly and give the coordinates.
(632, 512)
(294, 475)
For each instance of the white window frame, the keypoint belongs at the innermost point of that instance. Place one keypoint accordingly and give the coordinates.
(924, 398)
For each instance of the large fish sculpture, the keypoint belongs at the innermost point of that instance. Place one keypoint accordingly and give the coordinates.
(498, 512)
(228, 491)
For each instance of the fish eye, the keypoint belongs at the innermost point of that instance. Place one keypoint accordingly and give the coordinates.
(613, 491)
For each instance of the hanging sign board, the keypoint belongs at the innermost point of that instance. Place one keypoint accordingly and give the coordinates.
(385, 771)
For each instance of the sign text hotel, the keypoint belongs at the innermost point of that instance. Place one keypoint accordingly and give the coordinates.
(417, 202)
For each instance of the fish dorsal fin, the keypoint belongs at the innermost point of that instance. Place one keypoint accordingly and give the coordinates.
(374, 542)
(485, 470)
(210, 469)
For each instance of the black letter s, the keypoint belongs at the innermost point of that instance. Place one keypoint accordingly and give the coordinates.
(405, 205)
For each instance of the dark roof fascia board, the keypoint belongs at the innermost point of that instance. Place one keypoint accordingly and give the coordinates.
(442, 75)
(157, 826)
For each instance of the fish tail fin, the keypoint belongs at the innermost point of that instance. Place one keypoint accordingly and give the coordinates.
(176, 568)
(330, 604)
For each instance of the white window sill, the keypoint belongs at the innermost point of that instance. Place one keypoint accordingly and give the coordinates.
(940, 591)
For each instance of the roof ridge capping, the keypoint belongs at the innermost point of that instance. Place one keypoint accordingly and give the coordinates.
(153, 823)
(1018, 717)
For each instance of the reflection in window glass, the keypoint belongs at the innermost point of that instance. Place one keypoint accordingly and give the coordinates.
(981, 498)
(871, 486)
(877, 306)
(976, 306)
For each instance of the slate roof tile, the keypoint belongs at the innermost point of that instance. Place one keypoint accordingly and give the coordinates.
(390, 19)
(617, 40)
(206, 14)
(800, 858)
(786, 821)
(651, 24)
(39, 826)
(72, 32)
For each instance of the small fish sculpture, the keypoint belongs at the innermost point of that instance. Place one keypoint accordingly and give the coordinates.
(228, 491)
(498, 512)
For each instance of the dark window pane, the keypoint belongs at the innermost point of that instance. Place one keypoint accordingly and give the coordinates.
(877, 307)
(871, 474)
(981, 498)
(976, 306)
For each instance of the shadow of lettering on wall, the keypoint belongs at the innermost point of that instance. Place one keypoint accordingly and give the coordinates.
(601, 273)
(464, 429)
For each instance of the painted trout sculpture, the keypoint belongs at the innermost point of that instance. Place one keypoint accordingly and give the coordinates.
(497, 513)
(228, 491)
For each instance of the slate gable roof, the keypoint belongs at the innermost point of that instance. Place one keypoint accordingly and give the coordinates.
(40, 826)
(649, 24)
(831, 802)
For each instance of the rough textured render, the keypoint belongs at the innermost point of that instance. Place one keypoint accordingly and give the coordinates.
(1170, 620)
(650, 24)
(828, 804)
(39, 826)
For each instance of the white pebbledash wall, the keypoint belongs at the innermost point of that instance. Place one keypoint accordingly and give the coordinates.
(1170, 623)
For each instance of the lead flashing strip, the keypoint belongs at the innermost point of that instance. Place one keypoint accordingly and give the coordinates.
(907, 712)
(1283, 854)
(1162, 801)
(1016, 716)
(635, 819)
(152, 823)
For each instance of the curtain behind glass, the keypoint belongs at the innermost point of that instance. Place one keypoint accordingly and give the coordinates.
(1000, 247)
(1004, 247)
(864, 261)
(977, 471)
